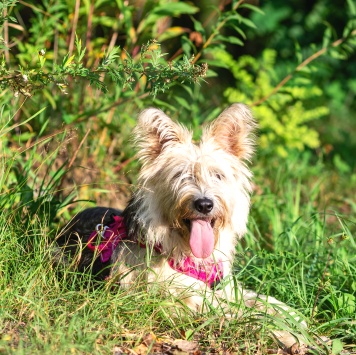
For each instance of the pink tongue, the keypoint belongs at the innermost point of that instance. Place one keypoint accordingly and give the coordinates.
(201, 238)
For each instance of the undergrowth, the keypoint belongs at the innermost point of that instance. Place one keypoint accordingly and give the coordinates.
(295, 250)
(65, 145)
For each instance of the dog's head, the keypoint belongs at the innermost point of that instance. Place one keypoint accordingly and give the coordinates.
(196, 189)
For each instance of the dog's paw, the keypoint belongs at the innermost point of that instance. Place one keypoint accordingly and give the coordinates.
(274, 307)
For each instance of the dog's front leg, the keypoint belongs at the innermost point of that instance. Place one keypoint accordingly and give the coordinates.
(271, 306)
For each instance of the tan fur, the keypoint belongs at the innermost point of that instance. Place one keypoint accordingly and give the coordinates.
(175, 172)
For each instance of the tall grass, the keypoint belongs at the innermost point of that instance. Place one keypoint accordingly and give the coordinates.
(300, 245)
(296, 250)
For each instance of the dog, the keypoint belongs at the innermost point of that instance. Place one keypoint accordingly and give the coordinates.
(189, 210)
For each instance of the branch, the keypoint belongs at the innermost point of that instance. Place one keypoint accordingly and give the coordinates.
(302, 65)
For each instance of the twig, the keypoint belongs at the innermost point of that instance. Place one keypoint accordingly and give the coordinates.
(6, 37)
(77, 150)
(89, 30)
(302, 65)
(21, 150)
(74, 26)
(35, 8)
(123, 164)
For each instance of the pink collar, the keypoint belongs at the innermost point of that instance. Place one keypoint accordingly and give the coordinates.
(209, 271)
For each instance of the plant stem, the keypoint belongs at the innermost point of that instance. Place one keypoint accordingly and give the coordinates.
(301, 66)
(74, 26)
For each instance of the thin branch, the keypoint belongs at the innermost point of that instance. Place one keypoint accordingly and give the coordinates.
(302, 65)
(88, 43)
(6, 38)
(74, 26)
(77, 150)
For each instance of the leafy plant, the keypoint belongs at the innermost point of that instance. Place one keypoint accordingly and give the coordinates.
(28, 185)
(150, 67)
(322, 39)
(284, 119)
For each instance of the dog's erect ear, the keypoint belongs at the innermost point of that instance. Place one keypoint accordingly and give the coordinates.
(155, 131)
(233, 131)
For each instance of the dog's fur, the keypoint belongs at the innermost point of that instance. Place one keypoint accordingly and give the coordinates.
(181, 183)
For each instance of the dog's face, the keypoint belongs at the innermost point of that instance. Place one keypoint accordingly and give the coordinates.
(197, 189)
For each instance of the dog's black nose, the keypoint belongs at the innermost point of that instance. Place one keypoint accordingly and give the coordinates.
(204, 205)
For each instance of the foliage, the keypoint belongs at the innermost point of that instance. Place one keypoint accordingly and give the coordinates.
(284, 119)
(299, 30)
(131, 68)
(124, 72)
(304, 244)
(302, 260)
(69, 142)
(287, 119)
(5, 17)
(28, 184)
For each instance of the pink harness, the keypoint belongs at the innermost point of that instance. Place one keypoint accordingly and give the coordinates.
(208, 271)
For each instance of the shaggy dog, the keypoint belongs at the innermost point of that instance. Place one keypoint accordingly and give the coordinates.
(183, 221)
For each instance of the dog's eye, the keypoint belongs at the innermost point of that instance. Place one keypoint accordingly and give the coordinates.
(177, 175)
(219, 176)
(181, 178)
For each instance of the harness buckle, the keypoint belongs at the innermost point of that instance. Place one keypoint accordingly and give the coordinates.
(101, 229)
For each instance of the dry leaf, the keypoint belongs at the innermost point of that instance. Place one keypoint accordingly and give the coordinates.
(185, 345)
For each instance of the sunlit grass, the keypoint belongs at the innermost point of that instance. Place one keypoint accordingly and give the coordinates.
(296, 250)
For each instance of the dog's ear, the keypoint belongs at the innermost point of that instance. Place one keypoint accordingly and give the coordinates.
(233, 131)
(155, 131)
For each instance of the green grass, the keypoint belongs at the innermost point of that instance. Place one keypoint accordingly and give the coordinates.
(300, 246)
(298, 249)
(295, 250)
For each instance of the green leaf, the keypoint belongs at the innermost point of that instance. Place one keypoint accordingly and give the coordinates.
(238, 30)
(229, 39)
(69, 118)
(22, 123)
(49, 97)
(352, 7)
(187, 46)
(253, 8)
(298, 52)
(217, 63)
(174, 9)
(105, 21)
(337, 347)
(211, 74)
(341, 165)
(243, 20)
(198, 26)
(327, 36)
(349, 28)
(182, 102)
(171, 32)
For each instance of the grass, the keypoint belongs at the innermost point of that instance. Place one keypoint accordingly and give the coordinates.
(296, 250)
(300, 245)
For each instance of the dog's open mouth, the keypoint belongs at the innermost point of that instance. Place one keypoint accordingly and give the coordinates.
(202, 240)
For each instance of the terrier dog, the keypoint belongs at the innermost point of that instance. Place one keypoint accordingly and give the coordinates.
(188, 212)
